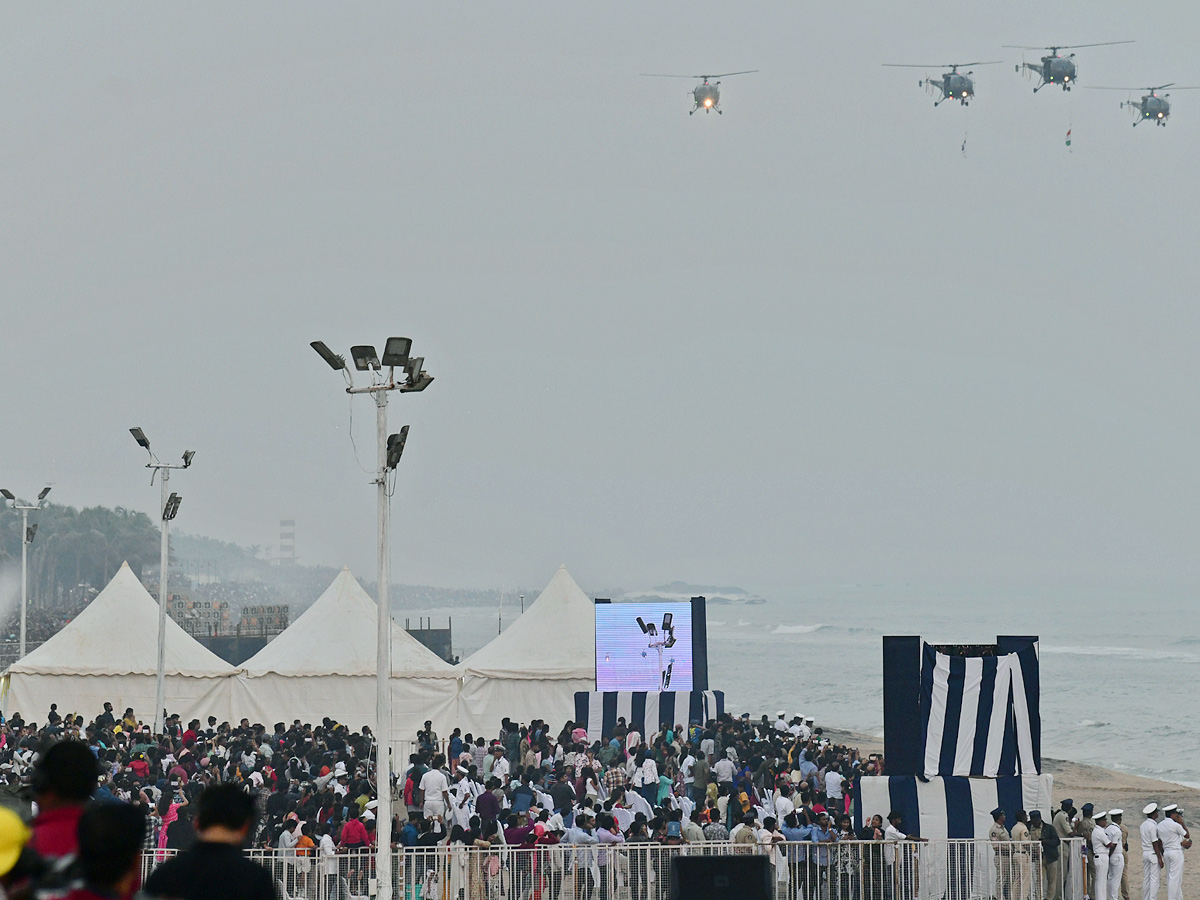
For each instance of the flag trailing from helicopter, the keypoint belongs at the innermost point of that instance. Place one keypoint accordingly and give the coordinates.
(1068, 137)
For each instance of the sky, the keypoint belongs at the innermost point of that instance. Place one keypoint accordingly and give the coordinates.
(834, 335)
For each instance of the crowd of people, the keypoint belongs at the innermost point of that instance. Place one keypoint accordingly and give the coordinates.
(778, 788)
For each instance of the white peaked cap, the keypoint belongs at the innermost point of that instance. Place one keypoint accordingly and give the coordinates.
(1151, 809)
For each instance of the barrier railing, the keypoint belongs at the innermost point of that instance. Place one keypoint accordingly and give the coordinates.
(846, 870)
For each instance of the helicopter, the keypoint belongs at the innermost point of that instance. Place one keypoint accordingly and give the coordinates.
(705, 95)
(1055, 69)
(953, 85)
(1153, 107)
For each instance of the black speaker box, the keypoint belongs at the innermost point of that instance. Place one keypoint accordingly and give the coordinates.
(721, 878)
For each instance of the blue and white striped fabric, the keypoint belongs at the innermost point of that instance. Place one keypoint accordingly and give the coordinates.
(979, 714)
(951, 807)
(645, 711)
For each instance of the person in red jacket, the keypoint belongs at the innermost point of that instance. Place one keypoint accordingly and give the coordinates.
(64, 777)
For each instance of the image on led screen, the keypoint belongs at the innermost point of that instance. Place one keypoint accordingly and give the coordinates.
(644, 647)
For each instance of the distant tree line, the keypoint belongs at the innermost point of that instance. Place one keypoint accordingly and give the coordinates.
(75, 547)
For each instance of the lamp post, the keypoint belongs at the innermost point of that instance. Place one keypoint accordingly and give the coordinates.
(27, 534)
(391, 448)
(169, 507)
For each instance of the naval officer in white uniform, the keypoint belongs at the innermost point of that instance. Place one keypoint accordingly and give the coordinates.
(1175, 839)
(1152, 855)
(1116, 858)
(1102, 846)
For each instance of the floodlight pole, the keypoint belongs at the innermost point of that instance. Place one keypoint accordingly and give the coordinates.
(379, 388)
(25, 507)
(24, 575)
(164, 558)
(167, 511)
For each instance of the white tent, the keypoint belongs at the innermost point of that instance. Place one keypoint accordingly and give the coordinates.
(324, 665)
(533, 669)
(109, 652)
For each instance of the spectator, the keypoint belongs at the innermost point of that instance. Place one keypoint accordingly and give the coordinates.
(64, 777)
(110, 838)
(215, 869)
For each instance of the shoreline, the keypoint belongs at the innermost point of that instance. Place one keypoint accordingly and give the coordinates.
(1107, 789)
(1076, 776)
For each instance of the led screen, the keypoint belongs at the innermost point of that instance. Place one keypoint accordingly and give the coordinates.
(630, 659)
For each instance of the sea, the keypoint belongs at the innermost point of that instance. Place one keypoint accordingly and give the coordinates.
(1120, 670)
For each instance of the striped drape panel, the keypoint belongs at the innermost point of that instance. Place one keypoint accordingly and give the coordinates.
(644, 711)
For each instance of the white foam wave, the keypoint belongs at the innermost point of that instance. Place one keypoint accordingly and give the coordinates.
(1089, 723)
(796, 629)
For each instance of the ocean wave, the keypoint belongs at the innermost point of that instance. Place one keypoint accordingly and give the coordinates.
(796, 629)
(1122, 652)
(1088, 723)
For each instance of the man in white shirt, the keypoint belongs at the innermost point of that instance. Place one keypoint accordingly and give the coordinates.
(685, 769)
(1102, 846)
(500, 766)
(799, 730)
(833, 788)
(1116, 858)
(724, 769)
(1175, 839)
(1152, 853)
(435, 790)
(781, 720)
(783, 802)
(329, 861)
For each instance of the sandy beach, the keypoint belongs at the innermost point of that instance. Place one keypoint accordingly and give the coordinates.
(1105, 789)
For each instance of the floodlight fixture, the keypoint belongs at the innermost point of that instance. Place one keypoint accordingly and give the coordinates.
(395, 447)
(365, 357)
(642, 625)
(172, 507)
(30, 532)
(8, 495)
(413, 368)
(42, 495)
(187, 457)
(395, 351)
(670, 641)
(336, 361)
(667, 617)
(140, 437)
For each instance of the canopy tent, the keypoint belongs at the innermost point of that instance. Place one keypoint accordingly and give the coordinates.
(109, 652)
(533, 669)
(324, 665)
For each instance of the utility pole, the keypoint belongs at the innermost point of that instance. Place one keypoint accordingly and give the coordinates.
(169, 506)
(27, 535)
(390, 449)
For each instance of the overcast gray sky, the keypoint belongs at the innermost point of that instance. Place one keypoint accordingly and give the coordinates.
(807, 341)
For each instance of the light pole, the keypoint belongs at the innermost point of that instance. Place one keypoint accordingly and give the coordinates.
(170, 507)
(390, 447)
(27, 534)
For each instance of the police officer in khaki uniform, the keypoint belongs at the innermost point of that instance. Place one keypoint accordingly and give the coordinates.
(1084, 826)
(1064, 828)
(1021, 866)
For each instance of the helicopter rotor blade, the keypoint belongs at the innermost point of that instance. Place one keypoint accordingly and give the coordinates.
(1160, 87)
(1056, 47)
(727, 74)
(655, 75)
(990, 62)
